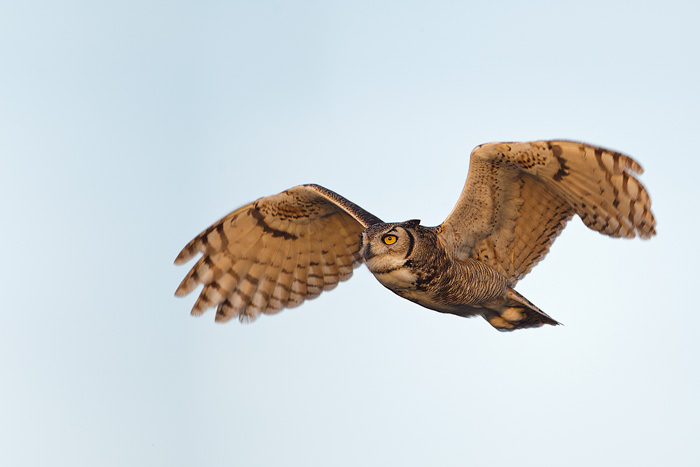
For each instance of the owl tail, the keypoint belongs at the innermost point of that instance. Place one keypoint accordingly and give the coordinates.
(516, 312)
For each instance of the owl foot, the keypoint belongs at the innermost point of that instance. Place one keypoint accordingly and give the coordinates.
(516, 313)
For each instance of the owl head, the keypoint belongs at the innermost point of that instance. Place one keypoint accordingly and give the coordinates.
(387, 247)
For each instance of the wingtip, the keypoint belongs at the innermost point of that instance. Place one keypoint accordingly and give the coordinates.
(634, 166)
(188, 284)
(179, 260)
(189, 251)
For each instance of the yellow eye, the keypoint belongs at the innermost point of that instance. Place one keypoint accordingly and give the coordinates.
(389, 239)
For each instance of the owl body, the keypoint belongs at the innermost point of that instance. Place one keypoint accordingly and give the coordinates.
(417, 267)
(283, 249)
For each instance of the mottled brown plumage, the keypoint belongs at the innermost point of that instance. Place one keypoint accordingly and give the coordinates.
(280, 250)
(275, 253)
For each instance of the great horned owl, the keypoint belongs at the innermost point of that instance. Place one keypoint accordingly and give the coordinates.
(280, 250)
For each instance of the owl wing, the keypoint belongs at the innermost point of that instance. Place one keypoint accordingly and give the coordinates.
(519, 196)
(275, 253)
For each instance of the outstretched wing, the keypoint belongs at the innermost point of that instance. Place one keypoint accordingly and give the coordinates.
(275, 253)
(519, 196)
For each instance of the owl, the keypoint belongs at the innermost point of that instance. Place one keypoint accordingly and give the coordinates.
(283, 249)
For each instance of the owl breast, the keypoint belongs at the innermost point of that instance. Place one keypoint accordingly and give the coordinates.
(401, 280)
(412, 284)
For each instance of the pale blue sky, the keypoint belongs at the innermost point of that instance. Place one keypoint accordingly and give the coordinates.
(127, 127)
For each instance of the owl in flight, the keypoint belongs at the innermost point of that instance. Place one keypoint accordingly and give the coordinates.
(282, 249)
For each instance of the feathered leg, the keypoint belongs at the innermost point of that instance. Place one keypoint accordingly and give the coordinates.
(516, 312)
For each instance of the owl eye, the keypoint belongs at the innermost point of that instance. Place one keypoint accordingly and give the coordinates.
(389, 239)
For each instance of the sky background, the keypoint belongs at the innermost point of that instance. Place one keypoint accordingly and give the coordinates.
(128, 127)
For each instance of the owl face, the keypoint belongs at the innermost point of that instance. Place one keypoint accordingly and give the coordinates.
(386, 247)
